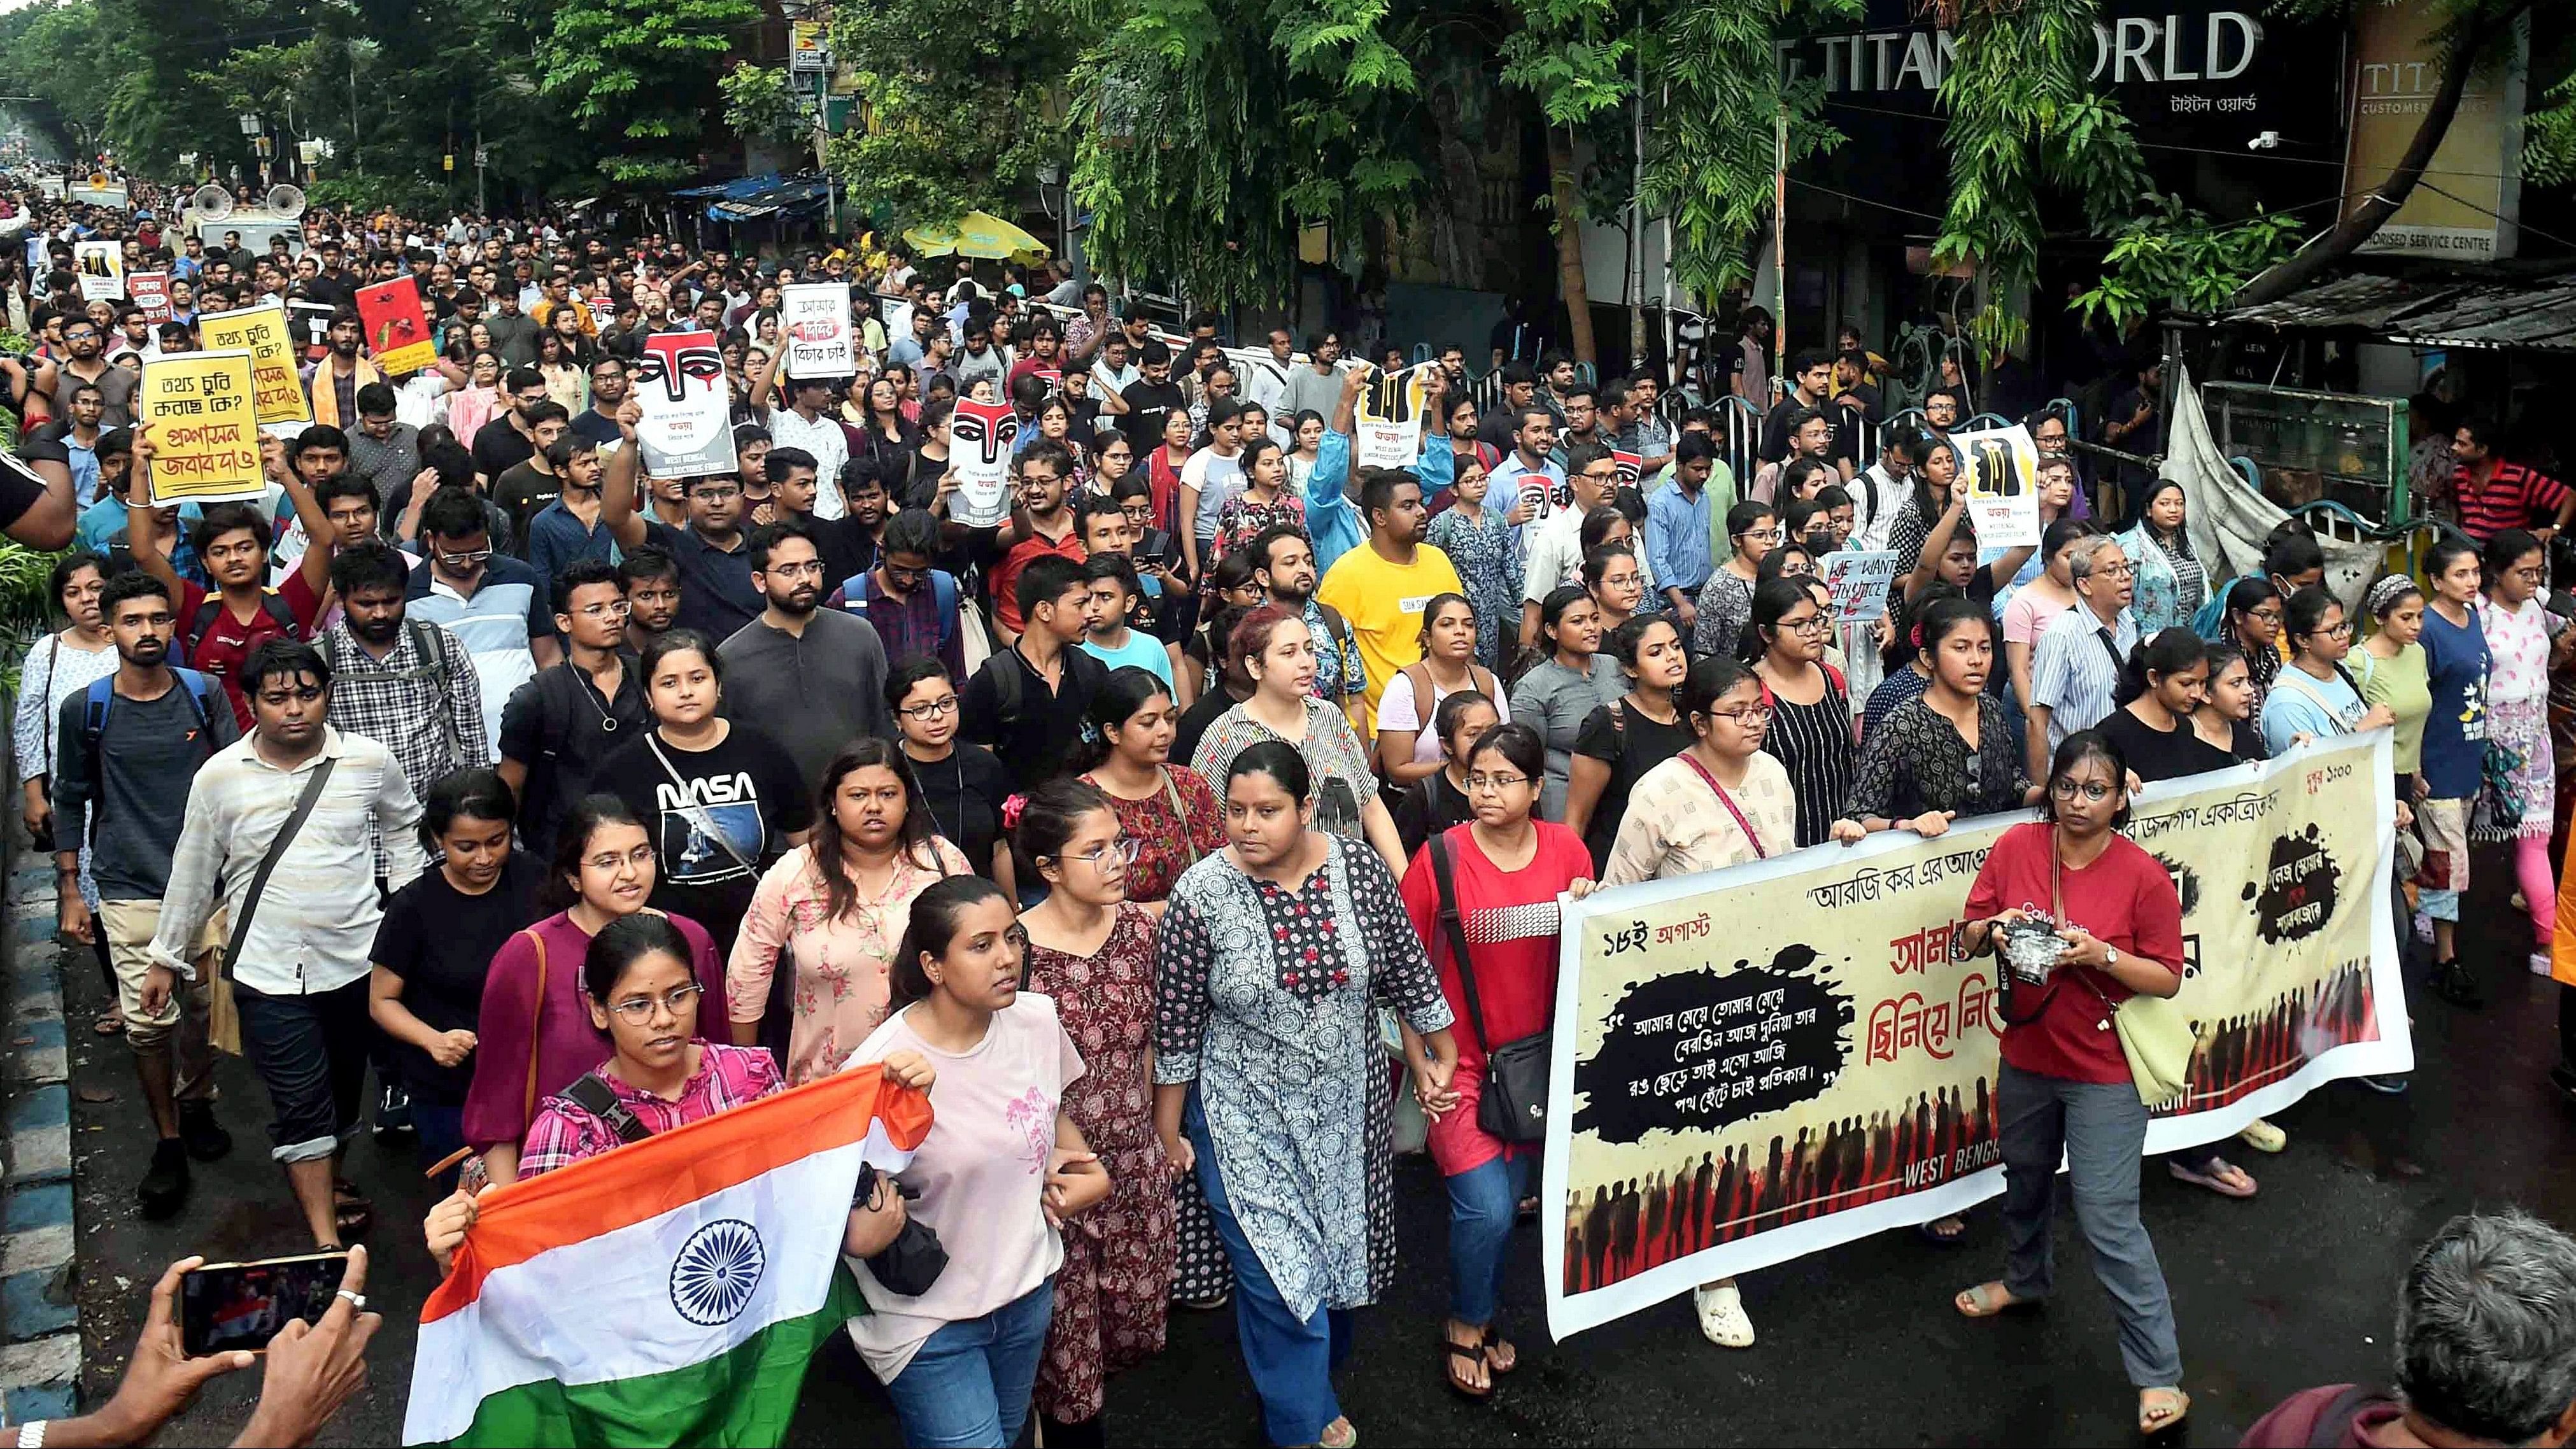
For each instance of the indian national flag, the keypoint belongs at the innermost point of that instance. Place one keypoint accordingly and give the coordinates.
(669, 1292)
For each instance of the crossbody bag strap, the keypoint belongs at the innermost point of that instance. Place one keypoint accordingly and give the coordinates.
(304, 802)
(1180, 817)
(696, 813)
(592, 1094)
(1751, 837)
(1445, 886)
(53, 666)
(536, 1023)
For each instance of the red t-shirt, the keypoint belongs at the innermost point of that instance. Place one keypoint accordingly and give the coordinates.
(1004, 580)
(1511, 924)
(225, 646)
(2124, 898)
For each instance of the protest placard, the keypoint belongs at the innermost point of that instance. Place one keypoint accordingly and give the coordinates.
(815, 317)
(1386, 421)
(1756, 1063)
(397, 328)
(150, 293)
(1859, 580)
(979, 453)
(204, 426)
(261, 332)
(679, 383)
(101, 268)
(309, 323)
(2002, 465)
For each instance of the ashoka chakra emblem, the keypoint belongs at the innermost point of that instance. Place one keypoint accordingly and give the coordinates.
(716, 1271)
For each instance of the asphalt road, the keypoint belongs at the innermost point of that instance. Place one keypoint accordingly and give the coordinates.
(1859, 1345)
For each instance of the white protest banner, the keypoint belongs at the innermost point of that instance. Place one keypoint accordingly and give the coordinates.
(1859, 580)
(979, 453)
(101, 267)
(150, 293)
(679, 382)
(1386, 422)
(815, 316)
(1757, 1063)
(2002, 465)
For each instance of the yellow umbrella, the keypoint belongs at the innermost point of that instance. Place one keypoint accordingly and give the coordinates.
(976, 234)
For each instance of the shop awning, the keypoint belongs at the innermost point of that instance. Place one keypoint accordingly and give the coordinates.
(2505, 310)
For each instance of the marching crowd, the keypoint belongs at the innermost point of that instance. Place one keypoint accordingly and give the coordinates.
(1217, 801)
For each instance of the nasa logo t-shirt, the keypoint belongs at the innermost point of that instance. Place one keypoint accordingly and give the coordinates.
(746, 788)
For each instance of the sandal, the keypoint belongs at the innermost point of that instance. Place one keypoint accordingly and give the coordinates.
(1338, 1435)
(350, 1213)
(1931, 1231)
(2223, 1178)
(1986, 1300)
(2262, 1136)
(2453, 983)
(111, 1022)
(1472, 1354)
(1509, 1359)
(1722, 1319)
(2161, 1409)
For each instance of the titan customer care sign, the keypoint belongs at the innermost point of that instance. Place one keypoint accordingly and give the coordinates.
(815, 319)
(204, 427)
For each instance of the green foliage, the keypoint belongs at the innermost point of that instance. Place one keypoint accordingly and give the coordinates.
(958, 105)
(2172, 255)
(2549, 138)
(758, 103)
(640, 77)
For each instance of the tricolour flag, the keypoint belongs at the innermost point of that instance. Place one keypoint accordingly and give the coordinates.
(669, 1292)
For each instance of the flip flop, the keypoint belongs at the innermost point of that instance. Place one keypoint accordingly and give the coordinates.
(1493, 1367)
(111, 1022)
(1932, 1233)
(1986, 1300)
(2173, 1402)
(2216, 1178)
(1471, 1352)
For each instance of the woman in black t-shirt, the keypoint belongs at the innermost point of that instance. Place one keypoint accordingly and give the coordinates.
(436, 943)
(962, 785)
(1439, 800)
(1619, 742)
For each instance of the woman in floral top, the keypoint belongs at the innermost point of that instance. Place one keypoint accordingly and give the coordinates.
(836, 907)
(1480, 544)
(1268, 1079)
(1166, 809)
(1092, 950)
(1264, 502)
(2520, 654)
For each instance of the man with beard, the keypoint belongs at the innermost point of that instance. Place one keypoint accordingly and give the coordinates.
(912, 605)
(813, 678)
(560, 726)
(405, 683)
(570, 527)
(608, 386)
(333, 381)
(495, 604)
(1283, 563)
(530, 485)
(131, 746)
(511, 438)
(1380, 587)
(85, 361)
(1041, 525)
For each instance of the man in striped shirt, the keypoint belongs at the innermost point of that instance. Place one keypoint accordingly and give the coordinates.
(2075, 670)
(2493, 495)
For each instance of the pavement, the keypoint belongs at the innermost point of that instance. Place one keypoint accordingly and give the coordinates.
(1859, 1345)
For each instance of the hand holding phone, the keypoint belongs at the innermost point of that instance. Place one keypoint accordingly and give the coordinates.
(241, 1306)
(164, 1377)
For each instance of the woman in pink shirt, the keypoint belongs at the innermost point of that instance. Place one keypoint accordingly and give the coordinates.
(2036, 605)
(533, 1036)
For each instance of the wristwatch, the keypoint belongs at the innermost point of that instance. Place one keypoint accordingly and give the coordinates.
(2110, 956)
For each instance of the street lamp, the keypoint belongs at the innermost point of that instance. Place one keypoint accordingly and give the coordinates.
(249, 123)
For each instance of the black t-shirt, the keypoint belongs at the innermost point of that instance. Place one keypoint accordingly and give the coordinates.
(746, 787)
(441, 941)
(557, 725)
(964, 794)
(1195, 720)
(19, 485)
(1631, 746)
(1040, 738)
(1429, 805)
(522, 492)
(2162, 754)
(498, 448)
(1147, 405)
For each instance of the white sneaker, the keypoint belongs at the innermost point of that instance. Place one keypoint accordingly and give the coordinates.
(2539, 963)
(1722, 1320)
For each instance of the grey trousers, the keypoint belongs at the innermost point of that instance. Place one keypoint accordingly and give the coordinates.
(2101, 1128)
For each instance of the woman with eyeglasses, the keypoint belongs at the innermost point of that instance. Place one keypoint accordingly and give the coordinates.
(1091, 950)
(1269, 1082)
(960, 784)
(1811, 724)
(1632, 734)
(1721, 802)
(1611, 576)
(1726, 600)
(532, 1035)
(1479, 541)
(1572, 679)
(835, 907)
(2066, 1094)
(2314, 698)
(2457, 660)
(636, 987)
(2524, 642)
(1491, 883)
(2251, 620)
(725, 800)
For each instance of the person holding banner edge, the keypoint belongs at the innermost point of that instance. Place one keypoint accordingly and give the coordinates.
(2065, 1089)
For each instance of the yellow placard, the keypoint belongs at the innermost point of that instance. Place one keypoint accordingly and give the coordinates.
(262, 333)
(205, 434)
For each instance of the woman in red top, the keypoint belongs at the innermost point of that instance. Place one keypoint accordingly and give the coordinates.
(2065, 1086)
(1506, 870)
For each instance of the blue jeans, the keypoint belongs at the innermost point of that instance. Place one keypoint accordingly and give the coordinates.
(968, 1384)
(1484, 1202)
(2099, 1127)
(1291, 1359)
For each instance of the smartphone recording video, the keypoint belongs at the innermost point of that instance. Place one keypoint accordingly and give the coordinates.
(225, 1307)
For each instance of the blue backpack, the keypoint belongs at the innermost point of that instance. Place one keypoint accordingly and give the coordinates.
(860, 587)
(101, 695)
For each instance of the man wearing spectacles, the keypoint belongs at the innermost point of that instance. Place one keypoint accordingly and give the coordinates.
(717, 596)
(494, 604)
(559, 727)
(1554, 545)
(813, 678)
(2076, 666)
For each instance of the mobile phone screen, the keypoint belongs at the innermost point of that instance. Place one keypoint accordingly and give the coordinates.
(228, 1306)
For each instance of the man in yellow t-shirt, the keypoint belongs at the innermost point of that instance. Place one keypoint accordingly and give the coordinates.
(1381, 587)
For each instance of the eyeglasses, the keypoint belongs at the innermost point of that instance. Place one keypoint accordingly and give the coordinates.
(2092, 790)
(1745, 717)
(463, 560)
(909, 576)
(1762, 535)
(2116, 571)
(1123, 850)
(796, 570)
(639, 857)
(716, 495)
(928, 710)
(1812, 624)
(614, 609)
(2332, 631)
(637, 1010)
(1495, 782)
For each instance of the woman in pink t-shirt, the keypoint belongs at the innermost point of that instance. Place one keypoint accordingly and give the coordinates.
(2035, 605)
(1002, 1168)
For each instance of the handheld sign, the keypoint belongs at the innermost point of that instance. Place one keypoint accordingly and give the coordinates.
(261, 332)
(1386, 421)
(815, 317)
(2002, 465)
(101, 266)
(679, 383)
(397, 329)
(205, 427)
(1859, 580)
(150, 292)
(979, 452)
(312, 326)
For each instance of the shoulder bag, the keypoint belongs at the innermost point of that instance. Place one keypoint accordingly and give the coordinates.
(2155, 1036)
(223, 1019)
(1180, 816)
(536, 1024)
(695, 813)
(1513, 1105)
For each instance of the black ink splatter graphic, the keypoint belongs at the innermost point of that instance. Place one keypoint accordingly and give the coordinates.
(2296, 895)
(2186, 882)
(1698, 1050)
